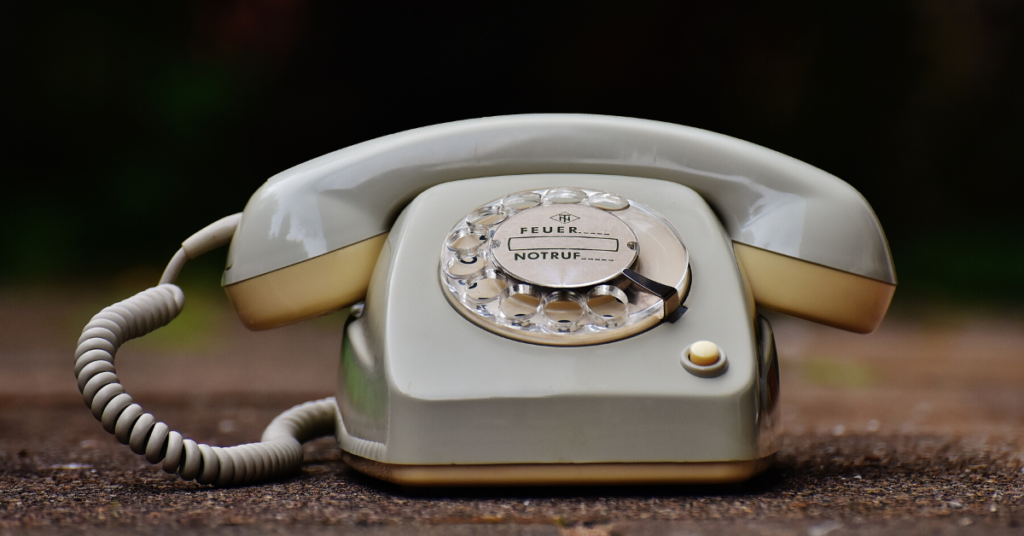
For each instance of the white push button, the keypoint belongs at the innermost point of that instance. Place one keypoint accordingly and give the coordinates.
(704, 353)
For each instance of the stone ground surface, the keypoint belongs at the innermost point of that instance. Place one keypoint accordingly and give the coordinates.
(915, 429)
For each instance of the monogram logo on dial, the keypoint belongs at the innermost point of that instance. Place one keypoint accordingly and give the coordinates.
(565, 217)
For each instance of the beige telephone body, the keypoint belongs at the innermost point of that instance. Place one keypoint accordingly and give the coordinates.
(549, 299)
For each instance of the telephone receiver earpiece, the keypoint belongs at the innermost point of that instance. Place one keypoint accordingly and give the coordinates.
(575, 238)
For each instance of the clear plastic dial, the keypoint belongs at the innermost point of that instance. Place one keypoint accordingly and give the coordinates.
(546, 266)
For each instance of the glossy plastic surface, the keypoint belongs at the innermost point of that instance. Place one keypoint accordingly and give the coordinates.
(420, 384)
(763, 198)
(814, 292)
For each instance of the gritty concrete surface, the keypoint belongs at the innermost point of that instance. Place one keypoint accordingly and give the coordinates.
(916, 429)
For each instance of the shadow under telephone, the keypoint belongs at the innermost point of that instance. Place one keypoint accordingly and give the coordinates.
(549, 299)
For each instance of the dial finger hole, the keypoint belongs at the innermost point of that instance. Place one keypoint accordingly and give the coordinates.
(609, 304)
(520, 305)
(463, 267)
(486, 287)
(564, 196)
(521, 201)
(608, 201)
(563, 310)
(466, 242)
(482, 218)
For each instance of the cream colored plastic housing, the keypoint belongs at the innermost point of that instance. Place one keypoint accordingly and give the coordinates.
(427, 397)
(307, 289)
(814, 292)
(562, 474)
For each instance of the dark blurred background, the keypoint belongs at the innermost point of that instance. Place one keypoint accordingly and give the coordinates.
(131, 126)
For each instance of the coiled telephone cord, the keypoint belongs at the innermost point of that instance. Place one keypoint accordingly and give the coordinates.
(279, 451)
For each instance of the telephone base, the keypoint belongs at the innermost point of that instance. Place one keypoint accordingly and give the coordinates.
(560, 474)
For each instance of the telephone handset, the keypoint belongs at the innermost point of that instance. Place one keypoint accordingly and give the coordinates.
(548, 299)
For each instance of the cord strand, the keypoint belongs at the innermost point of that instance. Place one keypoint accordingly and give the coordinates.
(277, 454)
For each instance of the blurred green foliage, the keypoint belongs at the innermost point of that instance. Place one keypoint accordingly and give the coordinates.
(128, 129)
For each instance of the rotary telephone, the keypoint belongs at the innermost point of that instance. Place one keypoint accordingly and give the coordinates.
(536, 299)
